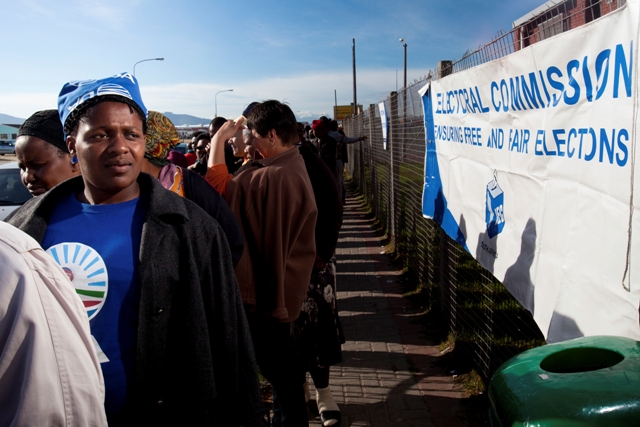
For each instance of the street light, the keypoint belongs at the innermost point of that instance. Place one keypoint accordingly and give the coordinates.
(144, 60)
(405, 61)
(215, 99)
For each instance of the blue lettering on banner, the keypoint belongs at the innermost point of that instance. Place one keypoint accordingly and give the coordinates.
(519, 140)
(589, 144)
(483, 109)
(460, 101)
(539, 141)
(579, 79)
(590, 79)
(558, 136)
(607, 76)
(496, 139)
(463, 135)
(621, 67)
(531, 92)
(609, 146)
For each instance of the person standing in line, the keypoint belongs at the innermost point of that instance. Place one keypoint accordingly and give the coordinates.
(202, 151)
(317, 333)
(229, 158)
(274, 203)
(49, 370)
(154, 271)
(178, 159)
(42, 153)
(190, 155)
(303, 138)
(327, 147)
(160, 138)
(341, 151)
(191, 147)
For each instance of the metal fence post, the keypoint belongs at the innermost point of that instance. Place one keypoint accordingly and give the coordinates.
(393, 144)
(358, 132)
(373, 197)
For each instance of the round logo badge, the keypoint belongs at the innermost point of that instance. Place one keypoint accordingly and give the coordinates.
(87, 272)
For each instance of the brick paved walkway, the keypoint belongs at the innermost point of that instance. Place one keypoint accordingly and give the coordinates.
(387, 377)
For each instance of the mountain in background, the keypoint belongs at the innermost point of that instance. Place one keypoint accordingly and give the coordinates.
(186, 119)
(176, 119)
(10, 120)
(308, 119)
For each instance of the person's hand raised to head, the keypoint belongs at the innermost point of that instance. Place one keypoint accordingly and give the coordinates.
(226, 131)
(229, 129)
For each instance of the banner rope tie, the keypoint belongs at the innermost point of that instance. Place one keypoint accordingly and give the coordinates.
(626, 278)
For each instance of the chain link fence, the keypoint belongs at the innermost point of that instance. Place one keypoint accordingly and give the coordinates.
(483, 317)
(485, 320)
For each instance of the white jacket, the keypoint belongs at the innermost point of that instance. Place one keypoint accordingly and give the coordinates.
(49, 372)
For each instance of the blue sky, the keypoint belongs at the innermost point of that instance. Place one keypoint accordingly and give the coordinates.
(294, 51)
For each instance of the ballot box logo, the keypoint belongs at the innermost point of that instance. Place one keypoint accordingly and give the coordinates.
(494, 212)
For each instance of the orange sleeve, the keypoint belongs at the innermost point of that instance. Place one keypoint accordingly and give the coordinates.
(218, 176)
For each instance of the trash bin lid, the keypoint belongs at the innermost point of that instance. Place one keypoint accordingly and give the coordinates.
(582, 382)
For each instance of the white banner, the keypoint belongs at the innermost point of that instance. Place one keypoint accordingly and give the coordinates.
(530, 166)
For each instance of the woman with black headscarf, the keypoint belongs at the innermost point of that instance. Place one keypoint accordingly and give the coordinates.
(43, 157)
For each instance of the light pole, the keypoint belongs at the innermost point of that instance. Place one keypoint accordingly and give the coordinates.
(144, 60)
(215, 99)
(405, 62)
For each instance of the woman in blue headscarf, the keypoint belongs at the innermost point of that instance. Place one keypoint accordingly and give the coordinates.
(154, 272)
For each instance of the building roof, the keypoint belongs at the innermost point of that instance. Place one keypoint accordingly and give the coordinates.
(536, 12)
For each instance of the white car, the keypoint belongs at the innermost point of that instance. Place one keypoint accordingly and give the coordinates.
(7, 147)
(12, 193)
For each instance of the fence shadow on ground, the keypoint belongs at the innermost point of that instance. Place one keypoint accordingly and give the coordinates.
(389, 375)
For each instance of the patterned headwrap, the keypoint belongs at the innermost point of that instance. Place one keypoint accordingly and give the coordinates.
(161, 137)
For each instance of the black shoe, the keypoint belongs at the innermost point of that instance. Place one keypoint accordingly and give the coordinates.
(330, 416)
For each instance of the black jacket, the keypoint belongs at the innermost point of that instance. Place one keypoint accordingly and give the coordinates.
(204, 195)
(327, 147)
(328, 200)
(195, 363)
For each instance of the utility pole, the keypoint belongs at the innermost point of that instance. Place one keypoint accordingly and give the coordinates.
(405, 66)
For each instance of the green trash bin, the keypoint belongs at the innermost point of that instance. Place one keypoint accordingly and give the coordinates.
(591, 381)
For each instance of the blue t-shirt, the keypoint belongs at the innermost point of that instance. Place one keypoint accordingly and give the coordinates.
(98, 247)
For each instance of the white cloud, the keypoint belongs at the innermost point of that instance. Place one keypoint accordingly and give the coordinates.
(23, 105)
(310, 94)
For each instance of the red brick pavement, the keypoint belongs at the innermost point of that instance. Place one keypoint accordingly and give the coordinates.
(388, 376)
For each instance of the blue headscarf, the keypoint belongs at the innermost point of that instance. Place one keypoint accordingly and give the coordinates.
(75, 93)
